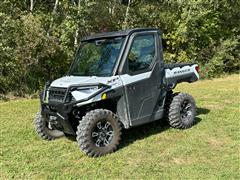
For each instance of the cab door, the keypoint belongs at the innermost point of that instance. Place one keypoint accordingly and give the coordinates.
(143, 77)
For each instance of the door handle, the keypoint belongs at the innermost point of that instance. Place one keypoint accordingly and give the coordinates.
(131, 88)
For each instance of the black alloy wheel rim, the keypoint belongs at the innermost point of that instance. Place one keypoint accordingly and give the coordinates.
(186, 111)
(102, 134)
(49, 126)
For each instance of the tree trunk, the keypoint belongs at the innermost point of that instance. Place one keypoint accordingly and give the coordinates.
(76, 38)
(126, 15)
(113, 7)
(31, 5)
(52, 18)
(55, 6)
(77, 30)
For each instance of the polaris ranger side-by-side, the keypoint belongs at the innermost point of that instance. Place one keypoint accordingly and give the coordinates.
(117, 80)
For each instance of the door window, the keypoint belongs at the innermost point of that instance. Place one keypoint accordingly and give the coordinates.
(142, 53)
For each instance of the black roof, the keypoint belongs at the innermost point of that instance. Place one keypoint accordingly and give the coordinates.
(117, 33)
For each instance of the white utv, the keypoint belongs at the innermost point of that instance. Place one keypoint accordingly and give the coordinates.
(117, 80)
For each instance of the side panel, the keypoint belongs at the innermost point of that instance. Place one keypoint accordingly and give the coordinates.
(144, 92)
(143, 96)
(122, 112)
(117, 95)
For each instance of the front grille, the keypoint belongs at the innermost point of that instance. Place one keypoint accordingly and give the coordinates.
(57, 94)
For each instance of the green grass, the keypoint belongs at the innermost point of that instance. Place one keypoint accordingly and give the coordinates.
(209, 150)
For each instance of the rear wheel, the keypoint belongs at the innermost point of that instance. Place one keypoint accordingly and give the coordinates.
(181, 111)
(44, 129)
(99, 132)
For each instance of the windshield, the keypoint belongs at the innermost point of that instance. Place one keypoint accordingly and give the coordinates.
(96, 58)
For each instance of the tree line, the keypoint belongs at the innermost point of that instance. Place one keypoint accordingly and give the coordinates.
(38, 38)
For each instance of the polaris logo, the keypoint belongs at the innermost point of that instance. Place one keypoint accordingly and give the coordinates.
(181, 71)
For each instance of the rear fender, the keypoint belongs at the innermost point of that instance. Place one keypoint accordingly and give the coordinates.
(177, 75)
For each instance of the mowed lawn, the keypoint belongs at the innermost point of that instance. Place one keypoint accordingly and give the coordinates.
(209, 150)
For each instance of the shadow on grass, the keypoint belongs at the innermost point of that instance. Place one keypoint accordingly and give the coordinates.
(202, 111)
(146, 130)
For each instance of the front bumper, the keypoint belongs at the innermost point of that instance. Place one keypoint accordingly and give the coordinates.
(58, 115)
(60, 112)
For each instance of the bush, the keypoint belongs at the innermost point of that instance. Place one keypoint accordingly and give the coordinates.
(38, 45)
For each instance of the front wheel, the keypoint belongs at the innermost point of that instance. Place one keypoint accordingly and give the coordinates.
(44, 129)
(181, 111)
(99, 132)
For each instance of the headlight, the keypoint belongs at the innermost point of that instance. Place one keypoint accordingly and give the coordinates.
(83, 92)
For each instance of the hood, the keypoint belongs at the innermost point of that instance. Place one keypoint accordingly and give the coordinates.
(67, 81)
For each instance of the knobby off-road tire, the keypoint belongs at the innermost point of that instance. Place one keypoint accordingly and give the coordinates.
(180, 110)
(99, 133)
(43, 129)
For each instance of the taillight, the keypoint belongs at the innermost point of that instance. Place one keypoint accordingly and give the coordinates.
(197, 68)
